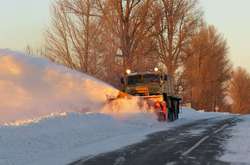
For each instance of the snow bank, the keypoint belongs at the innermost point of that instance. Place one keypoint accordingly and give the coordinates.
(238, 148)
(32, 87)
(69, 137)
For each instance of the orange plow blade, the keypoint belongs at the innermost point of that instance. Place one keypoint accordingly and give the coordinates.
(125, 102)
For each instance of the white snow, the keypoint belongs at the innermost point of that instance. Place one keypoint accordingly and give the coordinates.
(32, 87)
(53, 115)
(238, 147)
(63, 139)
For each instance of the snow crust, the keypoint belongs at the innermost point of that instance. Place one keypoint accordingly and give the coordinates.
(238, 148)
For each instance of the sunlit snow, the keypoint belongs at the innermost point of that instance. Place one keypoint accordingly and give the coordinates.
(31, 87)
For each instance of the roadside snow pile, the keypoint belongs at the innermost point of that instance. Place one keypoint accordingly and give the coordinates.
(69, 137)
(32, 87)
(238, 148)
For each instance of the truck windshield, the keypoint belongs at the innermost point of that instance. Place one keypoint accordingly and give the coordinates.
(135, 79)
(149, 78)
(146, 78)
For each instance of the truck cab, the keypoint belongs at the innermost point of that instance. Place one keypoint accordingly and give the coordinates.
(154, 87)
(147, 84)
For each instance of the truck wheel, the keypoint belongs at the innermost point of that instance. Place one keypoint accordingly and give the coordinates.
(174, 115)
(171, 116)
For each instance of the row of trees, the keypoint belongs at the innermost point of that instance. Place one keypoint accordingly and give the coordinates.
(239, 91)
(207, 70)
(105, 37)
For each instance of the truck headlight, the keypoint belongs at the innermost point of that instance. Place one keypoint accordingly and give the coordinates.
(128, 71)
(156, 69)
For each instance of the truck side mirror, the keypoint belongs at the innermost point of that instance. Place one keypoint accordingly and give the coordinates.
(122, 80)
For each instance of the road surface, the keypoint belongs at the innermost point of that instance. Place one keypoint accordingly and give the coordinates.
(200, 142)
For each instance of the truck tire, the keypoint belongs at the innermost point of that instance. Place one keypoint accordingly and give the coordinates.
(175, 115)
(171, 115)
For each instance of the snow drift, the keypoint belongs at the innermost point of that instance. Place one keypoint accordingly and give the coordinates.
(32, 87)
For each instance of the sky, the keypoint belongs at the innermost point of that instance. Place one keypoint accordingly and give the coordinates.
(232, 19)
(23, 23)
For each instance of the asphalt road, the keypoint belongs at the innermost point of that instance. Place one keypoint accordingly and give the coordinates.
(200, 142)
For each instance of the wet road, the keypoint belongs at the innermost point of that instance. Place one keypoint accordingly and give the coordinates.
(200, 142)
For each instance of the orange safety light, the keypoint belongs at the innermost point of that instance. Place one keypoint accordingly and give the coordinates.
(157, 105)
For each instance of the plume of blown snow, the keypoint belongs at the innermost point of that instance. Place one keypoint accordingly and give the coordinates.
(124, 107)
(31, 87)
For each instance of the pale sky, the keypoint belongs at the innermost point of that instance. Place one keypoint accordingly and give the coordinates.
(232, 19)
(24, 21)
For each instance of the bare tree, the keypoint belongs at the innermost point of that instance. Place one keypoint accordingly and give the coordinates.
(239, 91)
(177, 22)
(74, 35)
(128, 24)
(207, 70)
(105, 37)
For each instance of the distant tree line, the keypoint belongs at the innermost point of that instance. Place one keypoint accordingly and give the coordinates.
(105, 37)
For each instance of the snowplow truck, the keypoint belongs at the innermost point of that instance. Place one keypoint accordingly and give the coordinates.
(157, 90)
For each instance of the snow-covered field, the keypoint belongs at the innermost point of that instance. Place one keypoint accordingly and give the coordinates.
(238, 147)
